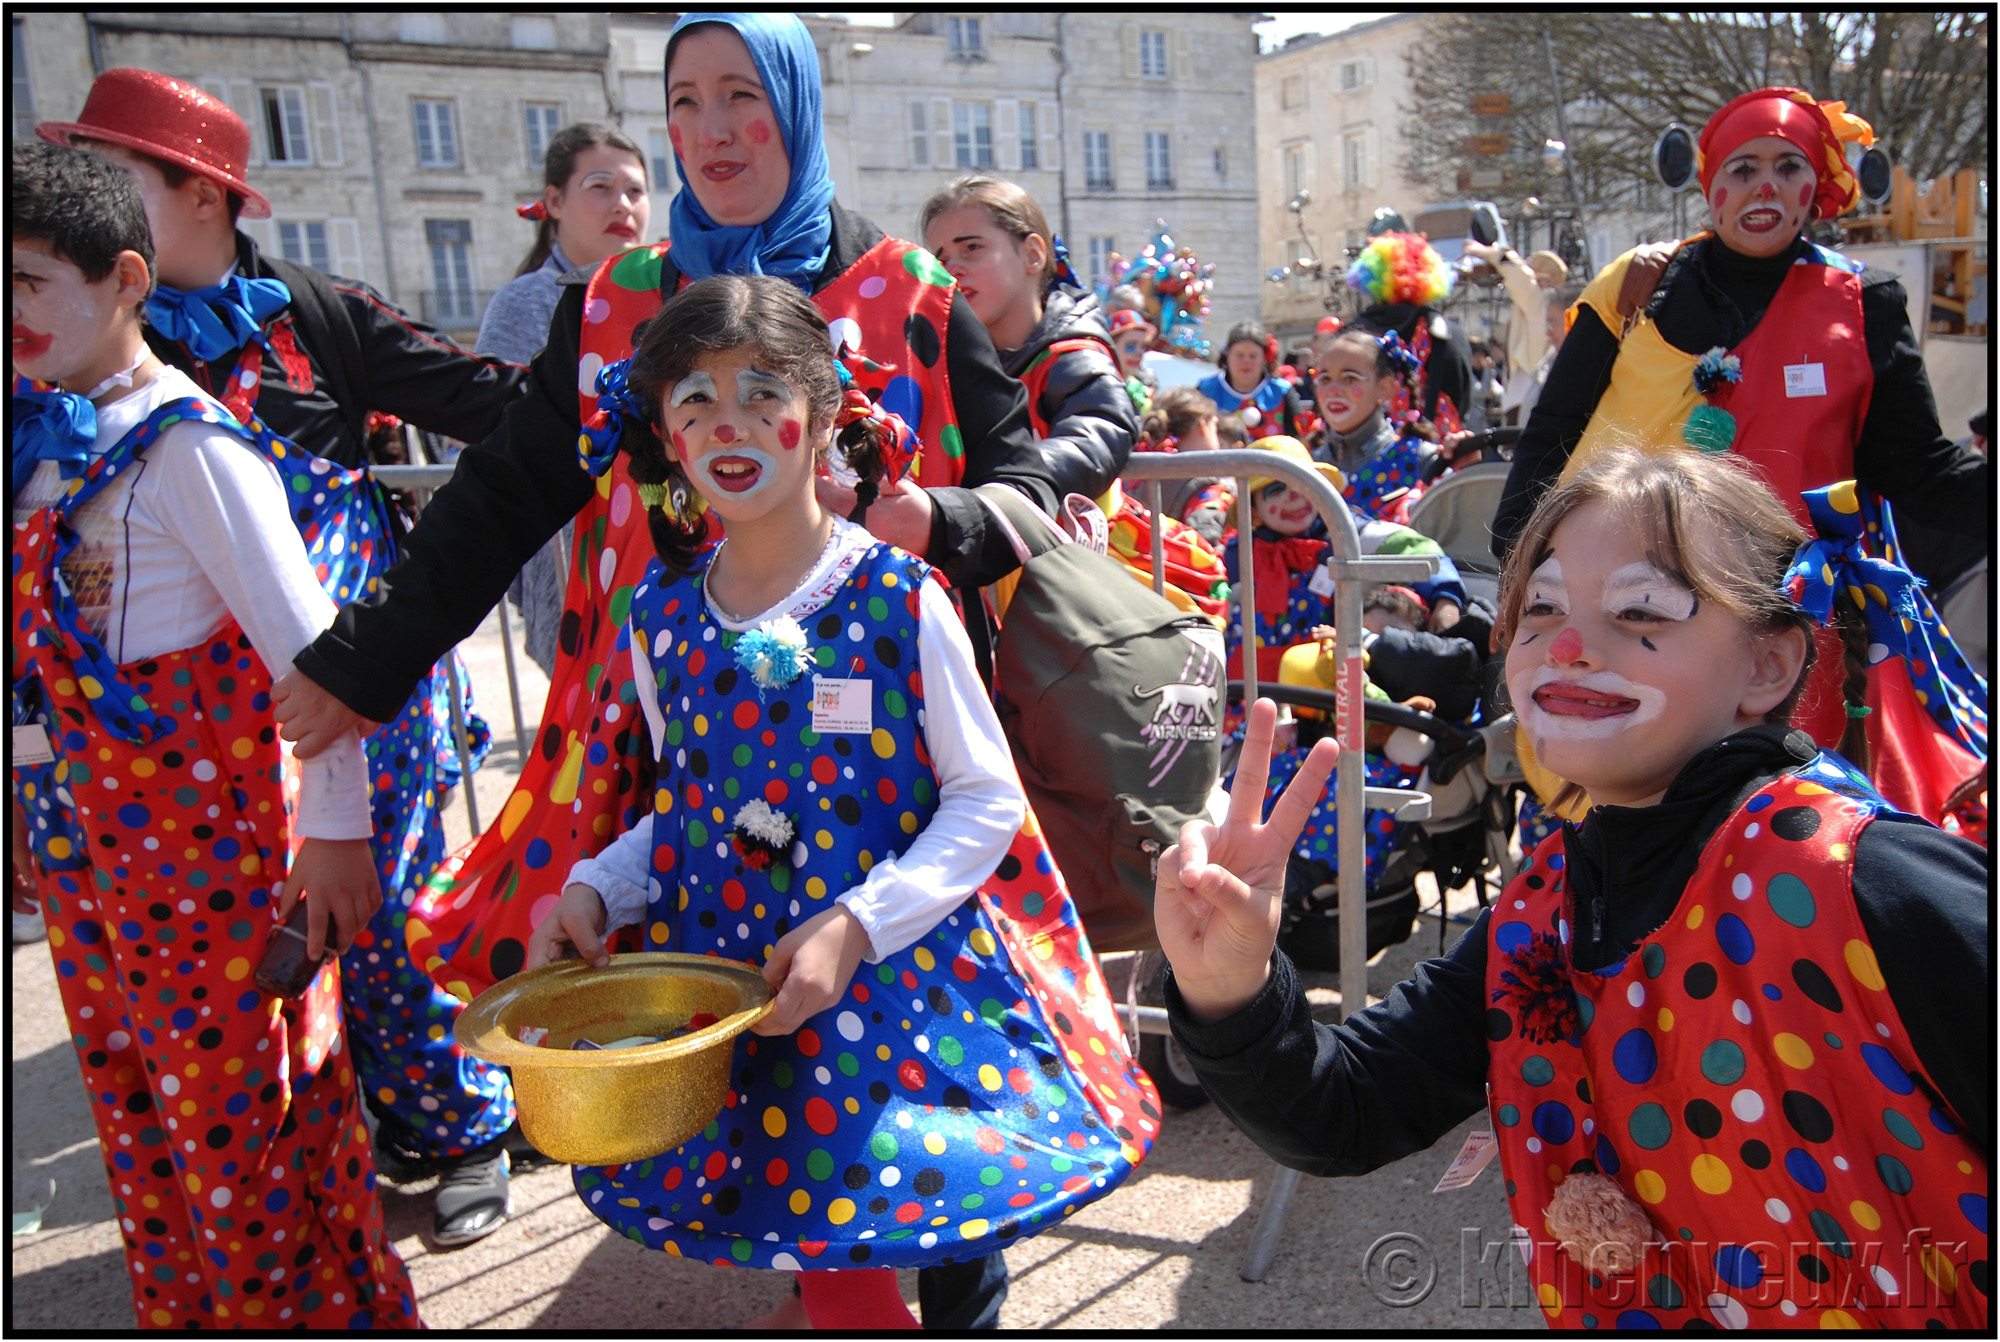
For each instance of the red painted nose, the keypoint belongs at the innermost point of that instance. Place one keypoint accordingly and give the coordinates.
(1567, 647)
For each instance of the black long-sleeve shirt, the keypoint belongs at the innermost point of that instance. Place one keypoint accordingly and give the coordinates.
(396, 365)
(1395, 1077)
(1083, 400)
(1713, 296)
(514, 490)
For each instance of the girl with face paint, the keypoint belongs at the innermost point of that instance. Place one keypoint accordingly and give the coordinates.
(833, 788)
(1756, 340)
(1704, 1009)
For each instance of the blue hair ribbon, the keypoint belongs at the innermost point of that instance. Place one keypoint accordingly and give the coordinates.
(617, 405)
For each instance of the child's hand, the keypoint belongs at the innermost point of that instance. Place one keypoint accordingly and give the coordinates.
(811, 967)
(1220, 892)
(337, 878)
(311, 718)
(574, 925)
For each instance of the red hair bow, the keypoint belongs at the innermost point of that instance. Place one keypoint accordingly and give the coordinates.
(534, 209)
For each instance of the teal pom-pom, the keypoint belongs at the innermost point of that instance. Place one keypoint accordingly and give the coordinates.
(1709, 429)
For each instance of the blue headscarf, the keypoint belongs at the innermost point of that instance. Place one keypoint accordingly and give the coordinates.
(793, 243)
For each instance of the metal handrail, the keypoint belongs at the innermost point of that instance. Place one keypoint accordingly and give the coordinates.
(1350, 571)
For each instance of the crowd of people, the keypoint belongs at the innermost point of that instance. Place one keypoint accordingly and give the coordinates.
(741, 484)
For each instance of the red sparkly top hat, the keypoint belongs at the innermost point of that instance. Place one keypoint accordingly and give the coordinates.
(170, 120)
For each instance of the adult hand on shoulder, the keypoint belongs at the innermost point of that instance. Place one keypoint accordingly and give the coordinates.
(309, 717)
(902, 517)
(811, 967)
(1220, 891)
(337, 878)
(576, 924)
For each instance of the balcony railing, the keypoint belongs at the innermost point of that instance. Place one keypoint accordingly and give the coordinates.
(455, 309)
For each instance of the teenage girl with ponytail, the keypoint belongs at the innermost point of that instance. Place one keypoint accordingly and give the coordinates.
(834, 788)
(1734, 1028)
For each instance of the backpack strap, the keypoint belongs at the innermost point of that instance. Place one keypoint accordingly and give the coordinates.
(315, 302)
(1648, 265)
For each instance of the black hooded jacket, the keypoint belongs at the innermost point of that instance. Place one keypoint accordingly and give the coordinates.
(1091, 428)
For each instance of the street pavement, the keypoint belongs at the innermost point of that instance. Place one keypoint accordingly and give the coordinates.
(1370, 1254)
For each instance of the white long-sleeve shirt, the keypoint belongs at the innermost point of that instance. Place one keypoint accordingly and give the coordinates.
(980, 802)
(197, 531)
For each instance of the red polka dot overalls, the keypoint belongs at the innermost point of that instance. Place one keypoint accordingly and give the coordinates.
(228, 1121)
(1746, 1079)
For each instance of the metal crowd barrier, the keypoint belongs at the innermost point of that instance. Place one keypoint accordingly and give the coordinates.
(1352, 572)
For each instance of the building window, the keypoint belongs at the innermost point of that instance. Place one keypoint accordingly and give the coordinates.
(286, 136)
(962, 36)
(1101, 247)
(1295, 170)
(303, 243)
(1152, 53)
(1097, 160)
(1159, 161)
(1031, 157)
(1221, 162)
(1354, 162)
(437, 132)
(425, 26)
(1292, 93)
(661, 157)
(451, 298)
(544, 119)
(920, 135)
(1353, 74)
(23, 85)
(532, 32)
(972, 134)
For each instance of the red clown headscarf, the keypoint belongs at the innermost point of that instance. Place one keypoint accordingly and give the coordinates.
(1816, 129)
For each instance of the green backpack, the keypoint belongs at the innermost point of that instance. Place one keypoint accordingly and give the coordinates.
(1112, 701)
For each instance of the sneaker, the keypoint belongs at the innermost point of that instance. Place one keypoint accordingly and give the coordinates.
(397, 1162)
(29, 926)
(473, 1199)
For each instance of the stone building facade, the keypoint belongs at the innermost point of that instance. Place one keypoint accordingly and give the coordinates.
(393, 146)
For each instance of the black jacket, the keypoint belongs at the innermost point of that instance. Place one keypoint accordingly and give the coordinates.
(1713, 296)
(1394, 1078)
(366, 354)
(515, 489)
(1083, 401)
(1449, 367)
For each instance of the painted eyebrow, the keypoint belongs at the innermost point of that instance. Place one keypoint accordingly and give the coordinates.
(1678, 600)
(693, 384)
(756, 379)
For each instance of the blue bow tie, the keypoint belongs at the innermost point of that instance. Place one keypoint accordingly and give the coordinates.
(215, 322)
(51, 425)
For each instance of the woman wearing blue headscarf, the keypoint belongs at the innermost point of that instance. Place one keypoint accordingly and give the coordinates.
(743, 100)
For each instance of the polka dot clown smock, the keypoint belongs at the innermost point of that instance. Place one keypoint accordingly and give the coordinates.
(971, 1086)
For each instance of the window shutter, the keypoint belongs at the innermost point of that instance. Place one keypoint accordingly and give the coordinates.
(920, 134)
(1182, 60)
(326, 124)
(1006, 135)
(1128, 48)
(1048, 117)
(943, 155)
(343, 238)
(242, 97)
(1368, 159)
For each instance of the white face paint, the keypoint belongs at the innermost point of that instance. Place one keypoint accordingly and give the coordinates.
(694, 384)
(728, 473)
(753, 383)
(1547, 589)
(1556, 704)
(1647, 587)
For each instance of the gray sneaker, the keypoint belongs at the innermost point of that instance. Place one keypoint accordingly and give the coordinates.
(473, 1198)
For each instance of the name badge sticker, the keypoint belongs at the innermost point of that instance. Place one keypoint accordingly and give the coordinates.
(1321, 582)
(843, 706)
(1471, 1160)
(1805, 379)
(31, 745)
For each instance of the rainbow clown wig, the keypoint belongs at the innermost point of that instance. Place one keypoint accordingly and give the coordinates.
(1401, 268)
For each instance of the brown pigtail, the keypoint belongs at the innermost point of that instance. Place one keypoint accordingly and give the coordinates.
(866, 445)
(1854, 684)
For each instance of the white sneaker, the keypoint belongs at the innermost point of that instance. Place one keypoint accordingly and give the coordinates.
(29, 926)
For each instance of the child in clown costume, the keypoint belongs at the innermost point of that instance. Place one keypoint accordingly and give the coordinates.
(834, 790)
(1734, 1028)
(156, 576)
(1356, 385)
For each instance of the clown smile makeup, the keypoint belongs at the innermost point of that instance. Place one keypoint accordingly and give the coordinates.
(740, 473)
(1597, 704)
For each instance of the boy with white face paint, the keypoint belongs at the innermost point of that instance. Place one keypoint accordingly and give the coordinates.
(1688, 1013)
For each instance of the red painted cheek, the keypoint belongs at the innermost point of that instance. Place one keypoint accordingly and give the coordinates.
(1806, 194)
(680, 446)
(1567, 647)
(725, 433)
(788, 435)
(674, 134)
(1721, 193)
(758, 132)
